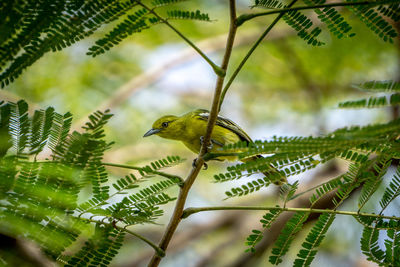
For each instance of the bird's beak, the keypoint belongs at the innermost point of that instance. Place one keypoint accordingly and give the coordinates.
(151, 132)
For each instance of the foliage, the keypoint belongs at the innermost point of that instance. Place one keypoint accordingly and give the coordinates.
(29, 29)
(40, 197)
(257, 235)
(369, 150)
(372, 16)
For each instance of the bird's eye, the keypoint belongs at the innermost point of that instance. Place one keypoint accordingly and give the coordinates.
(164, 124)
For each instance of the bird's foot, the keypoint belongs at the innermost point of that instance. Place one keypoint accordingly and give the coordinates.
(194, 164)
(210, 146)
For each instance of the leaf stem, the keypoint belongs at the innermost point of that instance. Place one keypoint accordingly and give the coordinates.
(245, 17)
(189, 211)
(180, 203)
(218, 70)
(158, 250)
(250, 52)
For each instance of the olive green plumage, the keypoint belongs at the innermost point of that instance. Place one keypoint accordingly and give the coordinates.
(191, 127)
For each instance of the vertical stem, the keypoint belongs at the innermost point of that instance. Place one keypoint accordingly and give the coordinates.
(180, 203)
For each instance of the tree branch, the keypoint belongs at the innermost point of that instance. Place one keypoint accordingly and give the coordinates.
(176, 217)
(189, 211)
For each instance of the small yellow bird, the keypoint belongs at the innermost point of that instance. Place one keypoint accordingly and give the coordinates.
(190, 128)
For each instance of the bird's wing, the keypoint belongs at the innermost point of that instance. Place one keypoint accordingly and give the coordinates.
(226, 123)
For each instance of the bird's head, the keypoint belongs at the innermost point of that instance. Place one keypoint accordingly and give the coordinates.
(165, 127)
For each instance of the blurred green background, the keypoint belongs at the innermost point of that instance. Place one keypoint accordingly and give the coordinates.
(287, 88)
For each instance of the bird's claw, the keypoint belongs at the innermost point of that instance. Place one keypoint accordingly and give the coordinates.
(194, 164)
(210, 146)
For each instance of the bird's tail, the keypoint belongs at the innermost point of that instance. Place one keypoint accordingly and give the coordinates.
(271, 173)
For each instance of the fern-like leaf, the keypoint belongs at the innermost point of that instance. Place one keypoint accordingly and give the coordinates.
(379, 86)
(372, 102)
(153, 190)
(373, 181)
(324, 189)
(41, 124)
(302, 25)
(314, 238)
(160, 3)
(288, 233)
(126, 183)
(351, 180)
(248, 188)
(188, 15)
(5, 138)
(391, 11)
(392, 191)
(43, 26)
(375, 22)
(295, 19)
(134, 23)
(59, 133)
(167, 162)
(333, 20)
(271, 4)
(370, 246)
(19, 126)
(100, 249)
(286, 191)
(392, 244)
(256, 236)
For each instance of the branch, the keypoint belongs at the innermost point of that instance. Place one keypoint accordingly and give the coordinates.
(244, 60)
(219, 71)
(180, 204)
(245, 17)
(189, 211)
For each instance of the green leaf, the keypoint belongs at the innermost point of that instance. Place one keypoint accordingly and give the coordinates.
(392, 191)
(286, 191)
(256, 236)
(335, 22)
(271, 4)
(160, 3)
(285, 238)
(188, 15)
(370, 246)
(379, 86)
(375, 22)
(373, 180)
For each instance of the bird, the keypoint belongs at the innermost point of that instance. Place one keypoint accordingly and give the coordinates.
(190, 129)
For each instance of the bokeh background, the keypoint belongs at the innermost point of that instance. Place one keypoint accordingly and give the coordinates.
(287, 88)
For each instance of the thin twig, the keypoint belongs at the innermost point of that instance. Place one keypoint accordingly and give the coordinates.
(180, 203)
(250, 52)
(189, 211)
(219, 71)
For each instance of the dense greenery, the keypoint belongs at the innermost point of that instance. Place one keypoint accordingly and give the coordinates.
(55, 189)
